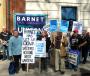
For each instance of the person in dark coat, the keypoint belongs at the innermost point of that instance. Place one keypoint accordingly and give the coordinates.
(75, 40)
(48, 43)
(74, 46)
(85, 40)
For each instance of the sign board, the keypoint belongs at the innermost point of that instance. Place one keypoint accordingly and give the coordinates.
(64, 26)
(53, 25)
(73, 57)
(78, 26)
(40, 49)
(28, 46)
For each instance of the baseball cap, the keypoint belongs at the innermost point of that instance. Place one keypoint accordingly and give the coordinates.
(75, 31)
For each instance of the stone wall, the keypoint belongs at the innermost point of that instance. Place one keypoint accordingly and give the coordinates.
(53, 9)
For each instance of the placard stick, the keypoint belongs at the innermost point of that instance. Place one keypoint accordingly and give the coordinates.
(27, 67)
(39, 65)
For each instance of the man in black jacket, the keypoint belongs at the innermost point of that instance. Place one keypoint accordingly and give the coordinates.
(74, 45)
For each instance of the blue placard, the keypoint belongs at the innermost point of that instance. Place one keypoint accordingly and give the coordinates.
(74, 57)
(53, 25)
(40, 49)
(64, 26)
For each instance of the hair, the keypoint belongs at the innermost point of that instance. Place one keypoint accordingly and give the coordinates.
(46, 34)
(87, 33)
(59, 33)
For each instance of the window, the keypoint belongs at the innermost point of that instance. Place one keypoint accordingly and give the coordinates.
(69, 13)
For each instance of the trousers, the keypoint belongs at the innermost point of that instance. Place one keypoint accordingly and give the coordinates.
(17, 59)
(59, 62)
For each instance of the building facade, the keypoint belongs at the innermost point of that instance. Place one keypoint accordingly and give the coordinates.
(78, 10)
(54, 9)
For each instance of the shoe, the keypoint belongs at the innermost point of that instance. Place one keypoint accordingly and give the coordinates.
(24, 70)
(75, 70)
(17, 71)
(62, 72)
(83, 62)
(56, 70)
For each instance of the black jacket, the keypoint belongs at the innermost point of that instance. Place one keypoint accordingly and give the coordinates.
(48, 43)
(74, 42)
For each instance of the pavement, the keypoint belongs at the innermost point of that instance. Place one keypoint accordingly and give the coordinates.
(35, 72)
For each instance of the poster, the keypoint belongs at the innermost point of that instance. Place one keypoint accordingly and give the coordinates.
(53, 25)
(28, 45)
(78, 26)
(40, 49)
(73, 57)
(29, 21)
(64, 26)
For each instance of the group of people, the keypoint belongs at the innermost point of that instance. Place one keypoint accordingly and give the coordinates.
(58, 42)
(81, 43)
(61, 43)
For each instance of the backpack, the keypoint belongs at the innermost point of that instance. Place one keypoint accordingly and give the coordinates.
(11, 68)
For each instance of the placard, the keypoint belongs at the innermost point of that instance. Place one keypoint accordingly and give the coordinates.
(64, 26)
(78, 26)
(40, 49)
(73, 57)
(53, 25)
(29, 45)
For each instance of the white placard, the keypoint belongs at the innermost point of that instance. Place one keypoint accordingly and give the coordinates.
(28, 45)
(78, 26)
(40, 49)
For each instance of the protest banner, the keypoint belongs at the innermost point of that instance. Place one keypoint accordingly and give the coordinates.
(73, 57)
(40, 49)
(78, 26)
(53, 25)
(28, 45)
(64, 26)
(28, 21)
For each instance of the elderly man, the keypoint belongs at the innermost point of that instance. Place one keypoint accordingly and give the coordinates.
(60, 52)
(15, 47)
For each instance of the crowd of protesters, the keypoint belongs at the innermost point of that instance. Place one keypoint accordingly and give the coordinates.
(60, 43)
